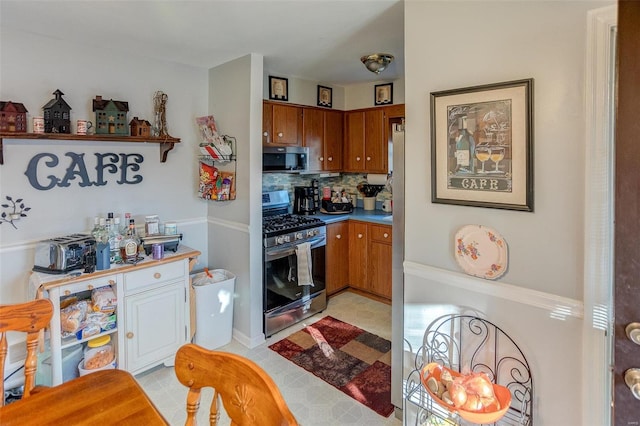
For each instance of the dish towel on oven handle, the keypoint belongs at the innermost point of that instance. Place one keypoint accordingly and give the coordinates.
(303, 253)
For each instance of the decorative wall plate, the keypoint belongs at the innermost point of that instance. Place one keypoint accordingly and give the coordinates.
(481, 251)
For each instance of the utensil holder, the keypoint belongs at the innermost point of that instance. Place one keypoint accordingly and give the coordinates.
(369, 203)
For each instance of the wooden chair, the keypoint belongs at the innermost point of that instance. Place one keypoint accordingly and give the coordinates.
(249, 394)
(30, 318)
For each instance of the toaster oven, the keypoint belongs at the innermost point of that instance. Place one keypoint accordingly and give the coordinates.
(63, 254)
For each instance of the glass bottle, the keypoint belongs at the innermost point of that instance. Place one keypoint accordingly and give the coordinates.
(115, 237)
(465, 148)
(129, 244)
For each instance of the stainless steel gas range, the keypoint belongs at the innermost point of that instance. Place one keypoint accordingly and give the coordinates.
(290, 244)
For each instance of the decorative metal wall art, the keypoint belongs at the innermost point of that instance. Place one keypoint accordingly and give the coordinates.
(17, 210)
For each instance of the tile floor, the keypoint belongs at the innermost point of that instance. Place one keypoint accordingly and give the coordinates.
(311, 400)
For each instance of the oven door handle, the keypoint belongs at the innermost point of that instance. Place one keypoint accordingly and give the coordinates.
(272, 255)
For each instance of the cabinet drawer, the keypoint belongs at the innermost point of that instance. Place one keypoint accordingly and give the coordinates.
(149, 277)
(381, 233)
(81, 286)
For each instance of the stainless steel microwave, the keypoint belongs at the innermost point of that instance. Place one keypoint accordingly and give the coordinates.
(285, 159)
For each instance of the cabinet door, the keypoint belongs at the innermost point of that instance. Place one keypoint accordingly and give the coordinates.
(358, 255)
(354, 141)
(337, 253)
(267, 123)
(287, 125)
(155, 326)
(313, 136)
(333, 140)
(380, 251)
(376, 144)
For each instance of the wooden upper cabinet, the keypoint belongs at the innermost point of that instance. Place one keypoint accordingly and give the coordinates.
(322, 134)
(354, 141)
(313, 136)
(281, 124)
(376, 146)
(333, 140)
(365, 147)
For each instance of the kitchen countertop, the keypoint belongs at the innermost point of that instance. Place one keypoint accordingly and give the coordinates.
(374, 216)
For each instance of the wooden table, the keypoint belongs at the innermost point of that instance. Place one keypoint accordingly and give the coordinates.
(103, 397)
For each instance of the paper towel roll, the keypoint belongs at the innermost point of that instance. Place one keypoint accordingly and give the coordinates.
(376, 179)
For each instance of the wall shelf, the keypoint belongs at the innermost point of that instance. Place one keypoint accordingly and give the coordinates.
(166, 142)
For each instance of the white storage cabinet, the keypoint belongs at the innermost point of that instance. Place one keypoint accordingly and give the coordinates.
(152, 314)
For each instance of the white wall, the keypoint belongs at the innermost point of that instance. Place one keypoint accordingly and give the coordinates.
(32, 67)
(459, 44)
(355, 96)
(235, 227)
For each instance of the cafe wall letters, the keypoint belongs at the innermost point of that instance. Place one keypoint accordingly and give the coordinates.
(73, 167)
(482, 146)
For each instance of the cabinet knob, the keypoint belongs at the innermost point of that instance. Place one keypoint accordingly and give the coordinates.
(157, 275)
(321, 158)
(385, 235)
(368, 158)
(130, 335)
(67, 292)
(89, 287)
(357, 158)
(338, 236)
(632, 379)
(280, 134)
(112, 282)
(633, 332)
(265, 134)
(360, 235)
(330, 159)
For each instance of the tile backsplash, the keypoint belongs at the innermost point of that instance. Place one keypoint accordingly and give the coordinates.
(348, 181)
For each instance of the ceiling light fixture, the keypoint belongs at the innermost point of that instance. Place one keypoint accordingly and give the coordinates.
(377, 62)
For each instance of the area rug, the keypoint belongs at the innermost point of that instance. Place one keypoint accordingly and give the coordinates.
(351, 359)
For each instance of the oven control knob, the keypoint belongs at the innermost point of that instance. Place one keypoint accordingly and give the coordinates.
(310, 233)
(299, 236)
(287, 239)
(279, 240)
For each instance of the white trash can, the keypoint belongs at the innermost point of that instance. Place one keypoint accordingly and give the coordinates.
(214, 294)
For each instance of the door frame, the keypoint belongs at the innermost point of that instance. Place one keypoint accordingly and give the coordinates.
(597, 346)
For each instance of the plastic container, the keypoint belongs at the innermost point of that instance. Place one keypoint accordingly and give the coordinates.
(214, 294)
(98, 355)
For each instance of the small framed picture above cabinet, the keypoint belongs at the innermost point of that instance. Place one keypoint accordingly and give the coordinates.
(383, 94)
(278, 88)
(325, 96)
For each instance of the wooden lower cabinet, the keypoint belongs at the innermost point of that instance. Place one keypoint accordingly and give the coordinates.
(380, 260)
(358, 255)
(337, 255)
(370, 258)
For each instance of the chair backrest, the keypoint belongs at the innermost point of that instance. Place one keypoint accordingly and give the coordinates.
(249, 394)
(30, 318)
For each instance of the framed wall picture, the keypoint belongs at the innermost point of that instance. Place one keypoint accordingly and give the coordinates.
(278, 88)
(325, 96)
(482, 146)
(383, 94)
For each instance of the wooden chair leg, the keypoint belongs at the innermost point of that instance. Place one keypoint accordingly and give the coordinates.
(193, 403)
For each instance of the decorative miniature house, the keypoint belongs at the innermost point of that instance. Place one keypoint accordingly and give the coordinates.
(13, 117)
(111, 116)
(140, 127)
(57, 115)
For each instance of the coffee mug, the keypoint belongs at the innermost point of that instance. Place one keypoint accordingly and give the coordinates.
(38, 124)
(83, 127)
(387, 206)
